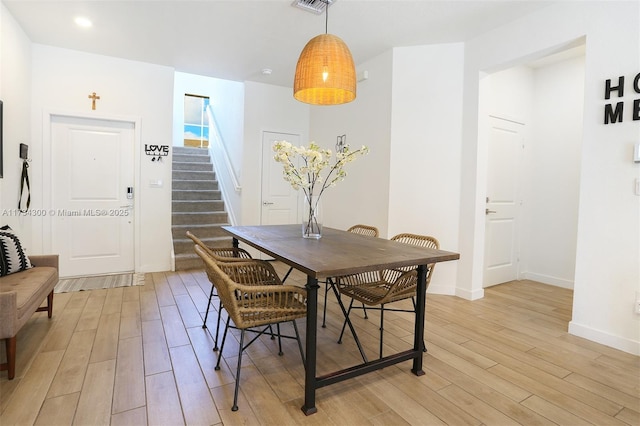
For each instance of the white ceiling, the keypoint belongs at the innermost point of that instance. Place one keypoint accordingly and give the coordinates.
(236, 39)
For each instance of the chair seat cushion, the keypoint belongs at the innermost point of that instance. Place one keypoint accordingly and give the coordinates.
(265, 310)
(372, 294)
(29, 287)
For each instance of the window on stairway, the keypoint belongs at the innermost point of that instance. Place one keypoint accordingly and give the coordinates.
(196, 122)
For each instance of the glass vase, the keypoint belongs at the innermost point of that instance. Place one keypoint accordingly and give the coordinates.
(311, 217)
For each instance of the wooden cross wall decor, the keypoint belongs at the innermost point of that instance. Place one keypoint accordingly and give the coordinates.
(93, 98)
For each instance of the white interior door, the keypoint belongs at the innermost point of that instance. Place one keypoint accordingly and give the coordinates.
(92, 169)
(279, 200)
(506, 144)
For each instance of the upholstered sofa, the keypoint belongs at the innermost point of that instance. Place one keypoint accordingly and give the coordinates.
(21, 294)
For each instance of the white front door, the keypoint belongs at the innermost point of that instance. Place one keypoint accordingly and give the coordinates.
(506, 144)
(279, 199)
(92, 216)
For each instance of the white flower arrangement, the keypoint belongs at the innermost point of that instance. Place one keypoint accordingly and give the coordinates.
(303, 167)
(308, 174)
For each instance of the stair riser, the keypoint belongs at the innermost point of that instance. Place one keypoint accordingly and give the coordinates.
(208, 231)
(199, 218)
(184, 158)
(202, 167)
(193, 175)
(182, 247)
(185, 264)
(197, 206)
(189, 150)
(195, 184)
(196, 195)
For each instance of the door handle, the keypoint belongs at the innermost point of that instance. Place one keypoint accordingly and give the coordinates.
(266, 203)
(487, 211)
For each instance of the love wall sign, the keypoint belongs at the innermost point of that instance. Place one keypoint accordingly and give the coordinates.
(614, 113)
(156, 151)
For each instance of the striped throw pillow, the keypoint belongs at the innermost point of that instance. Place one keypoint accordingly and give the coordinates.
(12, 255)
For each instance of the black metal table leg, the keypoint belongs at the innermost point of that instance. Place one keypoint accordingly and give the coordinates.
(309, 406)
(418, 334)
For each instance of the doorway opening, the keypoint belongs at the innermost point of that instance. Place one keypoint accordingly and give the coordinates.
(544, 100)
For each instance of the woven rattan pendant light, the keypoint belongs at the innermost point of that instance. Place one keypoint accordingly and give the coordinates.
(325, 73)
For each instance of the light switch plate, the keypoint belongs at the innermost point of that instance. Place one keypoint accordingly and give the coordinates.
(636, 153)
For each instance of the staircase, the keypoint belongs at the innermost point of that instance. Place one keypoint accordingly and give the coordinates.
(197, 206)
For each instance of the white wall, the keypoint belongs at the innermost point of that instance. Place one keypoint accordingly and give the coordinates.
(553, 182)
(363, 197)
(425, 149)
(15, 92)
(608, 250)
(61, 82)
(607, 273)
(268, 108)
(511, 94)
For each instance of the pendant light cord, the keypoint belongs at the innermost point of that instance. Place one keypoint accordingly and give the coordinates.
(326, 18)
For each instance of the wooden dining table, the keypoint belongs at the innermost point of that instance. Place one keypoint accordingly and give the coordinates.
(340, 253)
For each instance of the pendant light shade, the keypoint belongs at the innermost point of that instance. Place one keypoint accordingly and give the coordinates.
(325, 74)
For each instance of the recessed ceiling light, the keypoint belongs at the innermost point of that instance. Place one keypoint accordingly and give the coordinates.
(83, 22)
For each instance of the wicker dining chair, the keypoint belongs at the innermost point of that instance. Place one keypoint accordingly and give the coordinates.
(251, 304)
(379, 288)
(368, 230)
(226, 254)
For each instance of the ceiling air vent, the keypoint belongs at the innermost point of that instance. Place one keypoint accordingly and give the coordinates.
(313, 6)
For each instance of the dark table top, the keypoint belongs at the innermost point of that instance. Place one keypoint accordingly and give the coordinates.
(337, 252)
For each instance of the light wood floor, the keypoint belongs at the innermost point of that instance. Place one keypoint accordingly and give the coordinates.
(138, 355)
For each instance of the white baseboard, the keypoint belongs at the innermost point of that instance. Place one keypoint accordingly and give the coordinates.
(470, 295)
(547, 279)
(441, 289)
(157, 267)
(604, 338)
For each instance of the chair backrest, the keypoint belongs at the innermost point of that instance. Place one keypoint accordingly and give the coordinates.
(369, 230)
(416, 240)
(223, 283)
(247, 271)
(251, 291)
(223, 254)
